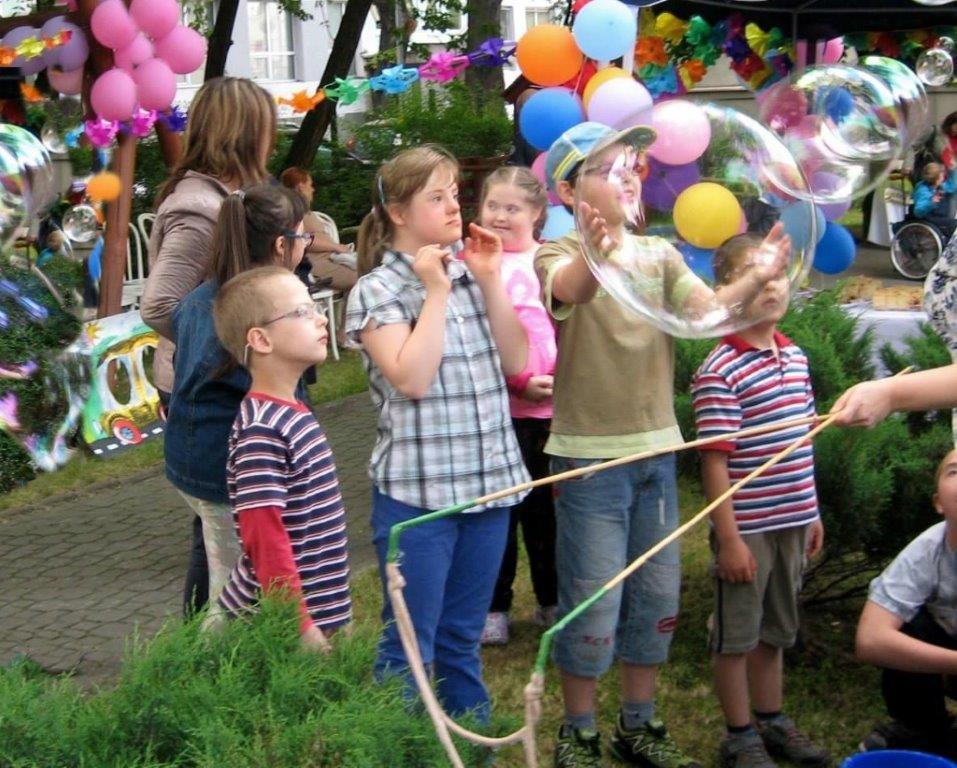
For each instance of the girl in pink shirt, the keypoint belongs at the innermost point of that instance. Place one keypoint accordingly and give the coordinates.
(513, 206)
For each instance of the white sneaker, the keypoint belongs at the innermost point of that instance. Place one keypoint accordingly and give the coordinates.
(495, 631)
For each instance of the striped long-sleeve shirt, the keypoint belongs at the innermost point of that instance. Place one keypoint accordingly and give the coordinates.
(738, 387)
(288, 509)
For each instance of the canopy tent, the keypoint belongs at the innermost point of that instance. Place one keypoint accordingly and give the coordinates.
(819, 19)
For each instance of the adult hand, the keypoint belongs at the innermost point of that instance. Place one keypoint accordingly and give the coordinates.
(815, 539)
(539, 388)
(429, 264)
(863, 405)
(483, 253)
(736, 563)
(596, 230)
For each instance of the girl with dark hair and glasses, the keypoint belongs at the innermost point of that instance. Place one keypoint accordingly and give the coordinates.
(258, 226)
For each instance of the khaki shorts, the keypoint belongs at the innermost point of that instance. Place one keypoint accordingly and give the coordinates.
(764, 609)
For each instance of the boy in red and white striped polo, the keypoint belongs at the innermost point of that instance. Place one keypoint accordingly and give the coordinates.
(762, 536)
(280, 472)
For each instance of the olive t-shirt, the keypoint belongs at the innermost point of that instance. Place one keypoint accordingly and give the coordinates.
(614, 377)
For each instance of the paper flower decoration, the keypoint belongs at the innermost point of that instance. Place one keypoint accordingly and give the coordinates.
(101, 132)
(494, 52)
(301, 101)
(395, 79)
(348, 90)
(443, 67)
(651, 50)
(142, 122)
(670, 27)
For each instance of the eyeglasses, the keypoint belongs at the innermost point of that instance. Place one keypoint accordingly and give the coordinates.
(309, 237)
(302, 312)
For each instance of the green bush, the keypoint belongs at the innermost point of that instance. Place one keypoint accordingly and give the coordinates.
(874, 486)
(248, 698)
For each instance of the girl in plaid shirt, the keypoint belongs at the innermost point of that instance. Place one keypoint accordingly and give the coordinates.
(438, 335)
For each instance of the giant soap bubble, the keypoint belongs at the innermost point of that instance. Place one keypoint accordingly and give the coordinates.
(935, 66)
(39, 182)
(649, 230)
(13, 205)
(838, 120)
(908, 91)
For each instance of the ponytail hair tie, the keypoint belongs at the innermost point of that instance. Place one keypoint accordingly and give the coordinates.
(378, 182)
(240, 193)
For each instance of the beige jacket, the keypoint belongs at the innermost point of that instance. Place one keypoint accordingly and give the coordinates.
(179, 252)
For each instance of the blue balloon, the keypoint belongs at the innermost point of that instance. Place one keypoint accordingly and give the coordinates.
(835, 251)
(699, 260)
(558, 223)
(548, 114)
(605, 29)
(796, 218)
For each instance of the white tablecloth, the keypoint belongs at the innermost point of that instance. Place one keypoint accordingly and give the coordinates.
(891, 326)
(883, 214)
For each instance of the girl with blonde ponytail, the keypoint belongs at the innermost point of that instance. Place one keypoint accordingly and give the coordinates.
(438, 336)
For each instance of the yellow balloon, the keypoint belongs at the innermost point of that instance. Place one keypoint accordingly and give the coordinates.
(706, 214)
(600, 77)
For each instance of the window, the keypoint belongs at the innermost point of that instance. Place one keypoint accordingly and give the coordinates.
(270, 41)
(506, 23)
(536, 16)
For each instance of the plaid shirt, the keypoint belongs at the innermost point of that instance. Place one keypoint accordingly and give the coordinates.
(456, 443)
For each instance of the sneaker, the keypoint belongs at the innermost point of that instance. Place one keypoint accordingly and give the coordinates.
(495, 631)
(744, 751)
(577, 748)
(783, 739)
(897, 735)
(545, 615)
(649, 745)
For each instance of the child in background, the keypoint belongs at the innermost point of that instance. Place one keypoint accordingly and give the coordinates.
(513, 206)
(280, 472)
(762, 535)
(614, 397)
(909, 628)
(437, 336)
(932, 196)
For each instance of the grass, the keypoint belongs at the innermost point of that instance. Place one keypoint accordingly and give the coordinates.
(830, 695)
(337, 379)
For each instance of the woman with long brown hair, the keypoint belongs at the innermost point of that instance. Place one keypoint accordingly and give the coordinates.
(229, 135)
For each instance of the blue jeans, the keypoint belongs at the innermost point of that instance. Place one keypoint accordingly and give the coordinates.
(449, 566)
(605, 520)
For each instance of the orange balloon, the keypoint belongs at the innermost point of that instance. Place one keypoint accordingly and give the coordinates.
(548, 55)
(105, 187)
(601, 76)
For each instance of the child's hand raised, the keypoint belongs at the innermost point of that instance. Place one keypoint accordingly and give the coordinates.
(596, 230)
(773, 255)
(482, 253)
(429, 265)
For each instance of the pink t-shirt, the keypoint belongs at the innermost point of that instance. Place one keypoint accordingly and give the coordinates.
(521, 284)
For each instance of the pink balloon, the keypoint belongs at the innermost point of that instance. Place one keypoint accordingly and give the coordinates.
(683, 132)
(156, 18)
(183, 49)
(538, 168)
(73, 55)
(155, 84)
(16, 36)
(69, 83)
(621, 103)
(137, 52)
(831, 51)
(111, 24)
(113, 95)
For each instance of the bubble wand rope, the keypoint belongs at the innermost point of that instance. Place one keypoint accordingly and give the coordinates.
(533, 691)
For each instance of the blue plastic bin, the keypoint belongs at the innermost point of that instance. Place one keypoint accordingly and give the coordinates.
(896, 758)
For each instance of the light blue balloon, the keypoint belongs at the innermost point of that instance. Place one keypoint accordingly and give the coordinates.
(605, 29)
(836, 251)
(797, 218)
(558, 223)
(548, 114)
(700, 260)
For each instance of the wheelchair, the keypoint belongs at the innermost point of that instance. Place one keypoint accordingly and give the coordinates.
(916, 246)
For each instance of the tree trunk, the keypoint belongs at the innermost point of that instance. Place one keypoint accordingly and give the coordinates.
(314, 124)
(221, 39)
(484, 22)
